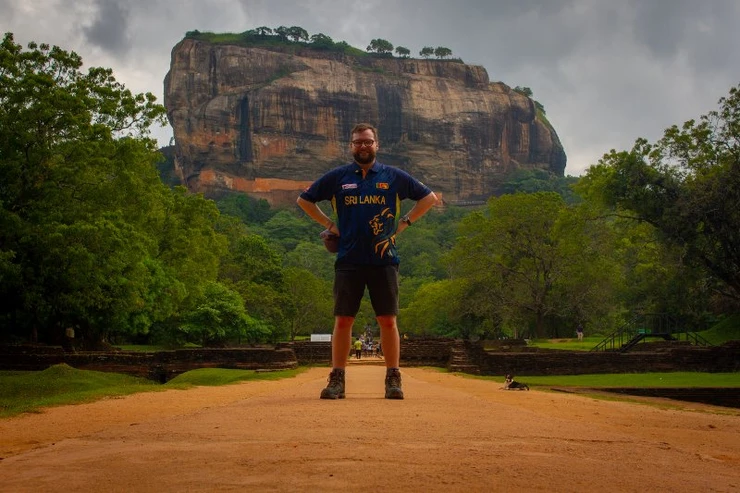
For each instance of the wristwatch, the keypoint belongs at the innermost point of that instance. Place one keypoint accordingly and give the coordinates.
(405, 219)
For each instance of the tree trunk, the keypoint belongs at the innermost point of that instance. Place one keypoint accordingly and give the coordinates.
(540, 325)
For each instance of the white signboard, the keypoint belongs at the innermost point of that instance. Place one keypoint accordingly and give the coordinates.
(320, 337)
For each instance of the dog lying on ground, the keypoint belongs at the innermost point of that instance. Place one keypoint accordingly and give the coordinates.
(511, 384)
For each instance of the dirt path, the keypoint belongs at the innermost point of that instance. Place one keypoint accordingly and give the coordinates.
(450, 434)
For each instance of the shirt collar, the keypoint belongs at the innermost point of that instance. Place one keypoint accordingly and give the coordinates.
(375, 168)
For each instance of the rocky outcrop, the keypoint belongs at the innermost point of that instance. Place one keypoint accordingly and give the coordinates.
(268, 122)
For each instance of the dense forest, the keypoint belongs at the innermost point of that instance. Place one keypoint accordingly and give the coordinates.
(92, 240)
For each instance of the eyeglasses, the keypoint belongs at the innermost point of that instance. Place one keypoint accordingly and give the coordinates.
(363, 143)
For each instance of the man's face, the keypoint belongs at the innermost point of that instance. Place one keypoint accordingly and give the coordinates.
(362, 150)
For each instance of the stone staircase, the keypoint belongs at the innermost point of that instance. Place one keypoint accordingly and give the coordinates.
(460, 360)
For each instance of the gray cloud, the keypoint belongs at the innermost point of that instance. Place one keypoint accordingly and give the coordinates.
(7, 11)
(702, 32)
(109, 27)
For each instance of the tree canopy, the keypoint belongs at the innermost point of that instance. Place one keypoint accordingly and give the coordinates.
(78, 172)
(402, 51)
(380, 46)
(687, 186)
(442, 52)
(90, 238)
(426, 52)
(519, 258)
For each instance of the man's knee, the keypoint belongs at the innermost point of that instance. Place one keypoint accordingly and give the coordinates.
(387, 322)
(343, 322)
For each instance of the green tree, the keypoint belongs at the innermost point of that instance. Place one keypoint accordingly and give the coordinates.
(420, 252)
(426, 52)
(287, 229)
(297, 34)
(687, 186)
(48, 105)
(188, 244)
(313, 257)
(591, 274)
(442, 52)
(263, 31)
(79, 173)
(438, 308)
(219, 316)
(253, 269)
(92, 275)
(309, 302)
(526, 91)
(380, 46)
(282, 32)
(519, 257)
(402, 51)
(657, 279)
(249, 210)
(321, 42)
(539, 180)
(252, 259)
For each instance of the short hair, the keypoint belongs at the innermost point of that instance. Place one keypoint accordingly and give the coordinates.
(361, 127)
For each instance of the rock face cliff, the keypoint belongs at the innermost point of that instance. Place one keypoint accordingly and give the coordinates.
(268, 123)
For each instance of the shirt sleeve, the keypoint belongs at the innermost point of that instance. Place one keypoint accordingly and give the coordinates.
(321, 189)
(411, 188)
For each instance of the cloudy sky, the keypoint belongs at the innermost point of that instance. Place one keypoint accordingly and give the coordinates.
(607, 72)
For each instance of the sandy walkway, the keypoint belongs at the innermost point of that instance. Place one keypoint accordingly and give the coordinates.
(450, 434)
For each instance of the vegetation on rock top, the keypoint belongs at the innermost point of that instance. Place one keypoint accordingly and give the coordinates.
(291, 38)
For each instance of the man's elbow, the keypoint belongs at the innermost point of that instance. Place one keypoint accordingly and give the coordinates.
(431, 199)
(302, 203)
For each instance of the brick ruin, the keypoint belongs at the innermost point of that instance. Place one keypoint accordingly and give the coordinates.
(489, 358)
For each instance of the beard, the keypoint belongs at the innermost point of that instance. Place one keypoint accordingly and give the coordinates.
(364, 156)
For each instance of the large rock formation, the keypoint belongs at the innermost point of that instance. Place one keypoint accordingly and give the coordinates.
(268, 122)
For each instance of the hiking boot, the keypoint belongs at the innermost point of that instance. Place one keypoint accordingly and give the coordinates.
(335, 389)
(393, 384)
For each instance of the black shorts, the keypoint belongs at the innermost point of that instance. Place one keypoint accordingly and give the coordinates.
(349, 287)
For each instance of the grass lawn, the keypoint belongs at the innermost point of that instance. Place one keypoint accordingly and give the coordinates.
(144, 348)
(637, 380)
(570, 344)
(726, 330)
(29, 391)
(224, 376)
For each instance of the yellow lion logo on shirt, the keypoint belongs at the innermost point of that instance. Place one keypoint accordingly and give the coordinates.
(383, 226)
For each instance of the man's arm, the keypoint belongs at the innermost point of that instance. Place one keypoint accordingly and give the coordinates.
(315, 213)
(418, 210)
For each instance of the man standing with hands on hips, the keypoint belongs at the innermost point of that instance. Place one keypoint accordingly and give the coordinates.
(366, 196)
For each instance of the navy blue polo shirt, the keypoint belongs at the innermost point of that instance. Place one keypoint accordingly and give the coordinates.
(367, 209)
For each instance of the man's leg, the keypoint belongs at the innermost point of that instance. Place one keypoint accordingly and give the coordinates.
(392, 347)
(390, 340)
(349, 286)
(383, 287)
(341, 341)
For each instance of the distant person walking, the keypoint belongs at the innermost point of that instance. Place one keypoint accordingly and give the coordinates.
(366, 196)
(358, 349)
(579, 330)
